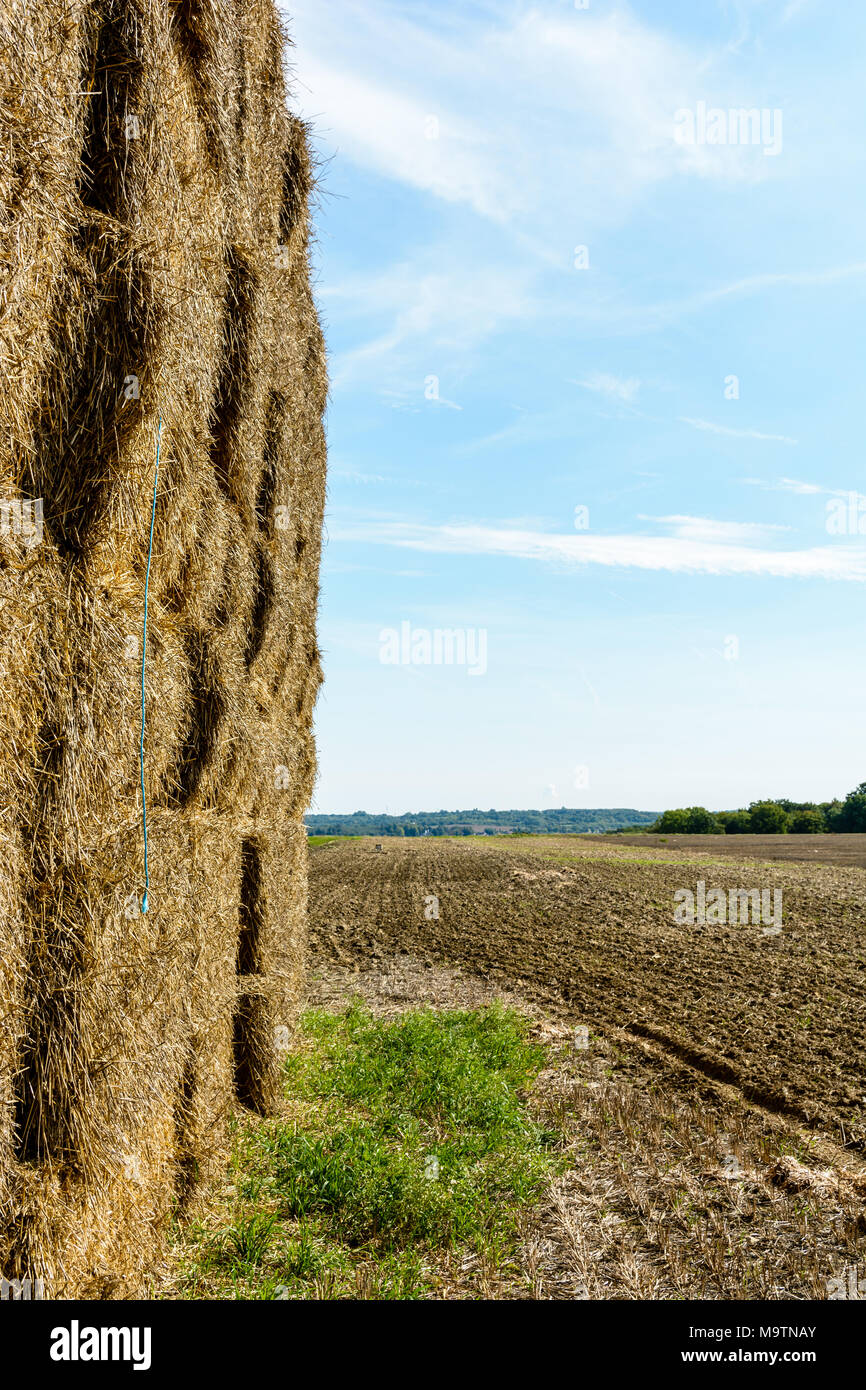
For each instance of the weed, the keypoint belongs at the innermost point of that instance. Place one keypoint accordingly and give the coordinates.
(411, 1142)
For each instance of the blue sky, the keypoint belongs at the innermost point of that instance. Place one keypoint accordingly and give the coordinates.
(698, 634)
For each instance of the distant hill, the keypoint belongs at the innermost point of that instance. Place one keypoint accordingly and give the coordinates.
(565, 821)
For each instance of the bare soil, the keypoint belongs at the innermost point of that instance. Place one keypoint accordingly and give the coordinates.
(808, 849)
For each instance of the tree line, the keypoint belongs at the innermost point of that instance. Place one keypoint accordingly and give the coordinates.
(770, 818)
(563, 820)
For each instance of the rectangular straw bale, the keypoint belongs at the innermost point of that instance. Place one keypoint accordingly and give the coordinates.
(154, 264)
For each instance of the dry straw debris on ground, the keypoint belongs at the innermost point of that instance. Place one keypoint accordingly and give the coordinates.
(154, 236)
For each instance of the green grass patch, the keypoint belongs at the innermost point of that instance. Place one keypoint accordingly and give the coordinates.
(410, 1147)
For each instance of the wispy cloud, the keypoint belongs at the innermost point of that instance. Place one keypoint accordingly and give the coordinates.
(652, 316)
(442, 300)
(801, 489)
(391, 132)
(785, 485)
(528, 428)
(793, 8)
(701, 528)
(425, 96)
(662, 553)
(454, 130)
(434, 305)
(351, 475)
(735, 433)
(612, 386)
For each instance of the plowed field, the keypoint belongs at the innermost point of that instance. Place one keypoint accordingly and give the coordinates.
(588, 927)
(806, 849)
(707, 1079)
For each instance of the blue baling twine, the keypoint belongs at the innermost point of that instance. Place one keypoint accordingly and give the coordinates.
(144, 903)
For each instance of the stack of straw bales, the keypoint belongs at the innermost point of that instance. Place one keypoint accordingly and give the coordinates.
(153, 261)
